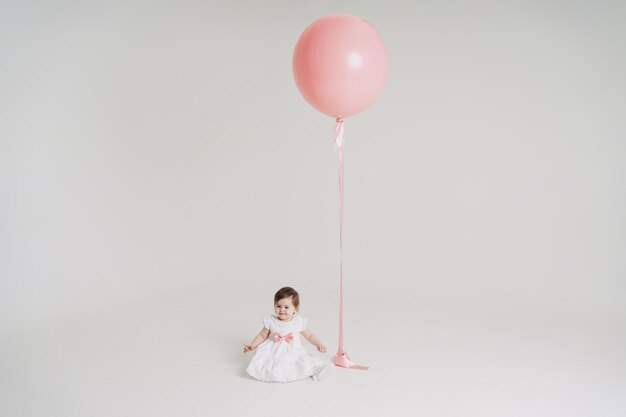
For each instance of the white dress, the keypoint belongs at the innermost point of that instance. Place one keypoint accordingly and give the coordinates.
(282, 357)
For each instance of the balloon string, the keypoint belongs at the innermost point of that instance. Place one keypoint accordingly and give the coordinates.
(341, 358)
(340, 148)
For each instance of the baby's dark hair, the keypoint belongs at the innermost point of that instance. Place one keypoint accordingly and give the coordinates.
(286, 292)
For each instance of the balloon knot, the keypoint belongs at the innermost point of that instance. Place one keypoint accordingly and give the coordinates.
(339, 132)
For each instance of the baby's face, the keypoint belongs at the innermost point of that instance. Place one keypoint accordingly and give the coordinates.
(284, 309)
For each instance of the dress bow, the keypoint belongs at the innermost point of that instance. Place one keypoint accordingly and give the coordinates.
(287, 338)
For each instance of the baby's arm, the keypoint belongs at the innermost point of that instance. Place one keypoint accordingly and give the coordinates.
(310, 336)
(257, 340)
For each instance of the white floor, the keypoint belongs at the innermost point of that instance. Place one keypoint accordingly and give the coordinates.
(180, 355)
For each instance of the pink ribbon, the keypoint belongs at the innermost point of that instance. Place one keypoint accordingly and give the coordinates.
(287, 338)
(341, 358)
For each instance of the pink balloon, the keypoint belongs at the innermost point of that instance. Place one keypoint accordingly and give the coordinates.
(340, 65)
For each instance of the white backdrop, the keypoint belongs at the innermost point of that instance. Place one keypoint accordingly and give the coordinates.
(161, 178)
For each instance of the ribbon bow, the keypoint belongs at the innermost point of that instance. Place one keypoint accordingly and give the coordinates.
(287, 338)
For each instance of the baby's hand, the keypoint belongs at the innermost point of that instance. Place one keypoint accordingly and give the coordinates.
(247, 348)
(321, 348)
